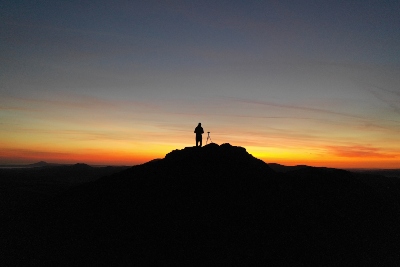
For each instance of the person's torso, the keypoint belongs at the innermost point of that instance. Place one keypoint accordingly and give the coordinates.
(199, 130)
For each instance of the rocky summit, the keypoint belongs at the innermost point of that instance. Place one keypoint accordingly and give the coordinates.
(211, 205)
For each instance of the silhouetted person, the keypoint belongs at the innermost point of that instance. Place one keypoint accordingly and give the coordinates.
(199, 131)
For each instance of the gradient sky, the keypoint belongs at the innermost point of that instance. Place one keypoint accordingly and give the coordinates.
(123, 82)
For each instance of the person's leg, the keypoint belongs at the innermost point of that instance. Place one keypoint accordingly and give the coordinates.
(201, 141)
(198, 140)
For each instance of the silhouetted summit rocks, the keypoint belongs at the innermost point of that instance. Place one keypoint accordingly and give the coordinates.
(214, 156)
(215, 205)
(219, 162)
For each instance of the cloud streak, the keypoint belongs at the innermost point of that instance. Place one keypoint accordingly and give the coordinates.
(71, 100)
(389, 98)
(361, 152)
(294, 107)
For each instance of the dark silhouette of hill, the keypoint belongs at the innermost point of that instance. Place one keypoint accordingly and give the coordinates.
(282, 168)
(55, 174)
(43, 164)
(212, 205)
(30, 186)
(385, 182)
(33, 165)
(393, 173)
(40, 164)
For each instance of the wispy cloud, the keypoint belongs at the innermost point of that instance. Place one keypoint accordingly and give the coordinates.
(361, 152)
(370, 126)
(294, 107)
(69, 100)
(391, 98)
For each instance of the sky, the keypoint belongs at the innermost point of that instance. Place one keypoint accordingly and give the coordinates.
(124, 82)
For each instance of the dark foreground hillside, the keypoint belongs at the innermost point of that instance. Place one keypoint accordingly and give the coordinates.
(30, 186)
(212, 205)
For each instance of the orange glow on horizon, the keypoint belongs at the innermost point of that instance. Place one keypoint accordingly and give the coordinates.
(130, 158)
(125, 144)
(327, 159)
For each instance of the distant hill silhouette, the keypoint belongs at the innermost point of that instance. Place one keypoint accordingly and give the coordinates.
(33, 165)
(42, 164)
(395, 173)
(213, 205)
(32, 185)
(282, 168)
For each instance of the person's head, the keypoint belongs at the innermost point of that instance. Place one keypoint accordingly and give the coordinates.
(199, 123)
